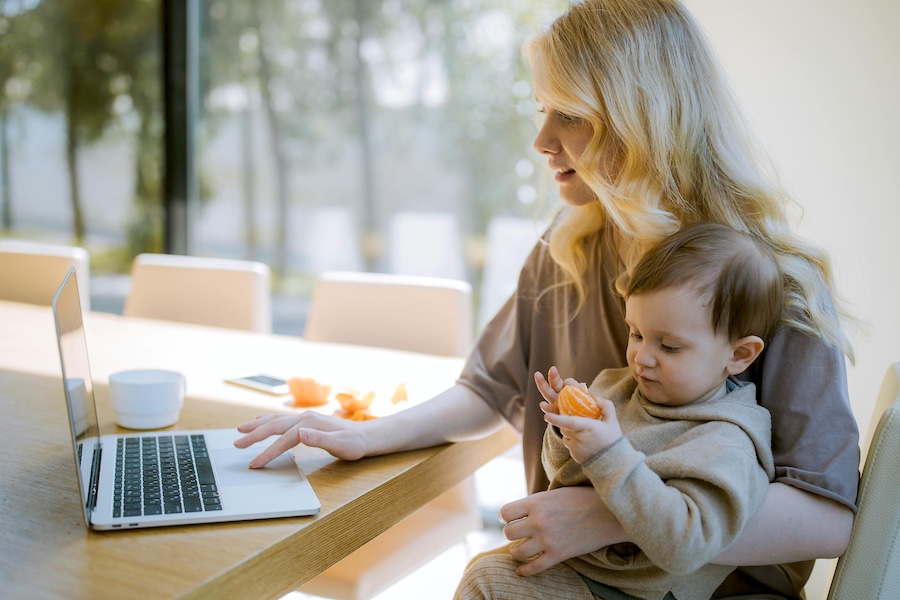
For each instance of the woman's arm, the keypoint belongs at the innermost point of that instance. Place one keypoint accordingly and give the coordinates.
(792, 525)
(454, 415)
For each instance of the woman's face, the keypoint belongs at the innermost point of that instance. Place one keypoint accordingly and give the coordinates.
(562, 139)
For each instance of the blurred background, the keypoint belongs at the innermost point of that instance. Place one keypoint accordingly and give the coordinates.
(395, 135)
(385, 135)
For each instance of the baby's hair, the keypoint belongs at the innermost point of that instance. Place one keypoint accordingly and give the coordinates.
(735, 275)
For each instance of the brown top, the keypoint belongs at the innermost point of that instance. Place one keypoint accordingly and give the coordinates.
(801, 380)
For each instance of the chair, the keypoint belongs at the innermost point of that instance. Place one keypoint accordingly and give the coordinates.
(419, 314)
(509, 242)
(207, 291)
(425, 244)
(32, 271)
(870, 568)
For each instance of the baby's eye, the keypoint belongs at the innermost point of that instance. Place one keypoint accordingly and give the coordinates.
(669, 349)
(635, 335)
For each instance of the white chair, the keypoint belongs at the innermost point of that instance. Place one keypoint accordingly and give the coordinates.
(410, 313)
(207, 291)
(509, 241)
(425, 244)
(870, 568)
(420, 314)
(31, 272)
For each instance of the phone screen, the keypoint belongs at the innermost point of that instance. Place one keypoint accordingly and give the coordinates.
(265, 380)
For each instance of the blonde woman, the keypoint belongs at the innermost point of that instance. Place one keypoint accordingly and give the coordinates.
(644, 139)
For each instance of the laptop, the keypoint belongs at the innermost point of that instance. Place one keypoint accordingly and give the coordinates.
(159, 478)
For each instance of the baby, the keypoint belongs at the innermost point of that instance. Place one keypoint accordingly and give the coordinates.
(681, 452)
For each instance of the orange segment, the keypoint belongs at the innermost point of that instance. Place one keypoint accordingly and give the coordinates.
(577, 402)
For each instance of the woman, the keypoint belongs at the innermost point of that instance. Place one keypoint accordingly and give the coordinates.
(644, 139)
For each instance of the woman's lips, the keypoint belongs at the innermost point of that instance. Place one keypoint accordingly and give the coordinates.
(564, 175)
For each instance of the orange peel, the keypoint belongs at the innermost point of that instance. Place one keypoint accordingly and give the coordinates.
(399, 394)
(352, 401)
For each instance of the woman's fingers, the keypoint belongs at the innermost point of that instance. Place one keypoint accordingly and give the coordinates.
(279, 446)
(264, 426)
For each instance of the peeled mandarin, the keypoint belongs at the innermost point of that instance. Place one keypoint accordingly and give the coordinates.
(575, 401)
(308, 392)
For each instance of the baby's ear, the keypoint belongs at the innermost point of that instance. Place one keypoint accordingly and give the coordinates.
(744, 352)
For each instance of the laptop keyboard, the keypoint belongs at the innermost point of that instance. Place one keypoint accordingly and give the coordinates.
(164, 475)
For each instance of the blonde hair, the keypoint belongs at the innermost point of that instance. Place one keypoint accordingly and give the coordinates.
(640, 72)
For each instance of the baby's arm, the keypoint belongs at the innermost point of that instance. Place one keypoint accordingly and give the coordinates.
(690, 502)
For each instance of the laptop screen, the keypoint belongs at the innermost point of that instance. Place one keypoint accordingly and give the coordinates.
(78, 387)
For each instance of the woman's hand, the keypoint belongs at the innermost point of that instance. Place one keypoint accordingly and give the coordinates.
(553, 526)
(454, 415)
(340, 437)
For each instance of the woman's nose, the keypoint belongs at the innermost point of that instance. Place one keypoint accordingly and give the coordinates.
(545, 142)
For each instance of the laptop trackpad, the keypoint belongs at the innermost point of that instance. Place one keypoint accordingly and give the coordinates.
(232, 469)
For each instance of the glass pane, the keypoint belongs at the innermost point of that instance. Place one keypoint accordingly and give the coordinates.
(382, 135)
(81, 127)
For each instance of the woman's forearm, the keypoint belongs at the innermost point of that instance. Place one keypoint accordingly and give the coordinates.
(792, 525)
(454, 415)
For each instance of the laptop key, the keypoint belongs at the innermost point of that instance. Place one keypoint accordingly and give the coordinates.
(173, 508)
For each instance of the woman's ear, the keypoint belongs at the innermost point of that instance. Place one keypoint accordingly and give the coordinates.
(744, 352)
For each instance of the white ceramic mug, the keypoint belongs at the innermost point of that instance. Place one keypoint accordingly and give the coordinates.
(146, 398)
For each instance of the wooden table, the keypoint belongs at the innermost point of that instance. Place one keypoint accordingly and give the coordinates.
(47, 552)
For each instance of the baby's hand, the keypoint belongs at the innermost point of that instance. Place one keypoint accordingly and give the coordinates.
(550, 387)
(586, 437)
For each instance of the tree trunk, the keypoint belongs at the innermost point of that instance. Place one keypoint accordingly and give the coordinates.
(72, 166)
(369, 221)
(277, 148)
(5, 194)
(248, 189)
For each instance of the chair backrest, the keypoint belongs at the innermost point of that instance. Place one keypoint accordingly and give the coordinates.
(870, 568)
(509, 242)
(31, 272)
(206, 291)
(425, 244)
(419, 314)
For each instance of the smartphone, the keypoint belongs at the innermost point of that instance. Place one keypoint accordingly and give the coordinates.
(262, 383)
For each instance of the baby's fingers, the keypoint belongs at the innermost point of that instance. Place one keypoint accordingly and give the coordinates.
(544, 387)
(556, 381)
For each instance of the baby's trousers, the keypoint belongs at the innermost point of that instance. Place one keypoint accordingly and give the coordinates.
(492, 575)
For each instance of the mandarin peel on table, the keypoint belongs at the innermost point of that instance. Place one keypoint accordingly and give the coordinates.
(352, 401)
(400, 394)
(575, 401)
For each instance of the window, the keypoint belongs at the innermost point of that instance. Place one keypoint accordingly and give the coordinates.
(333, 134)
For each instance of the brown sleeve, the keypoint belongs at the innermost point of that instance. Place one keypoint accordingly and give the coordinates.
(815, 439)
(534, 331)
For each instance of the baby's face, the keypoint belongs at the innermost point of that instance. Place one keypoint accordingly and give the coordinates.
(673, 352)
